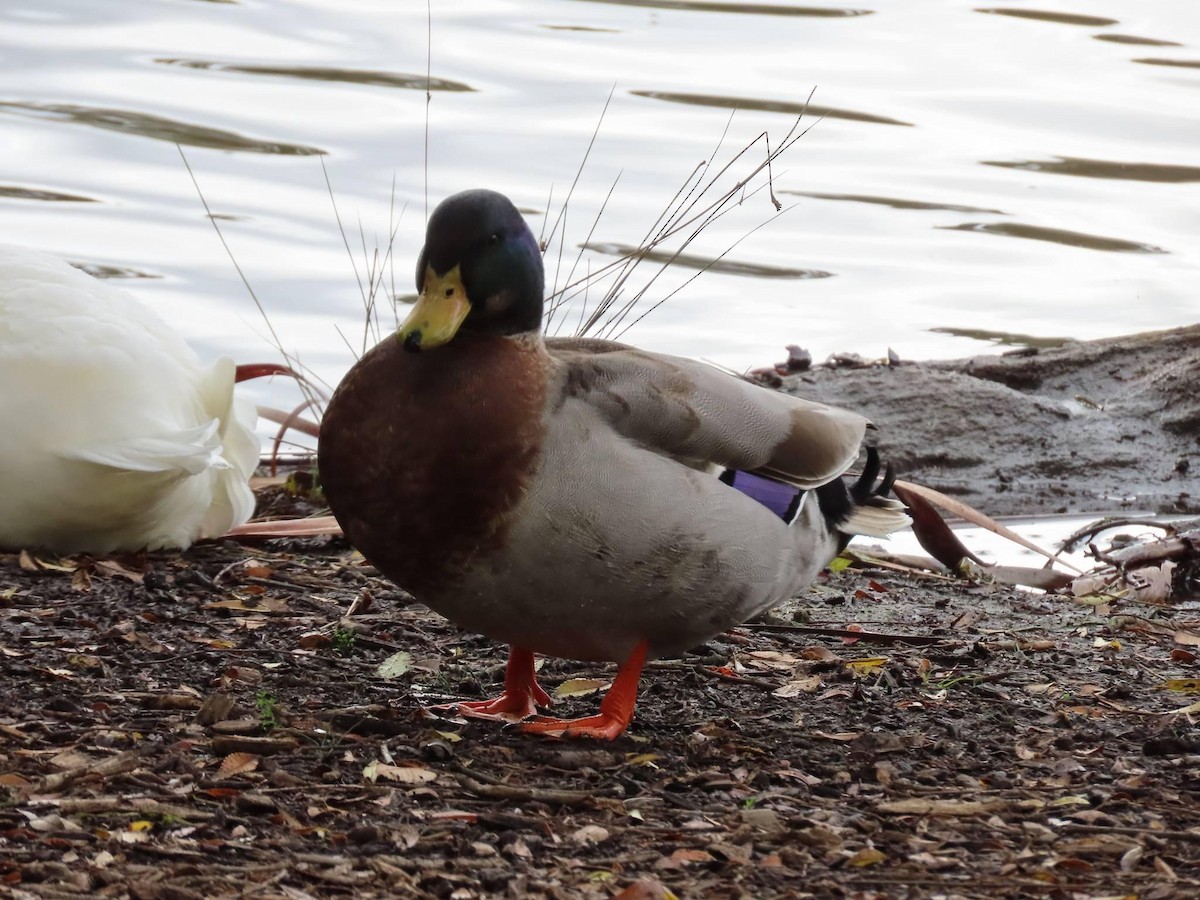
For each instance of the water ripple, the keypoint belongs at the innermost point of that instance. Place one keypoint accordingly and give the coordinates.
(1131, 39)
(1047, 16)
(1056, 236)
(711, 264)
(585, 28)
(105, 270)
(155, 127)
(781, 106)
(327, 73)
(896, 202)
(1103, 168)
(24, 193)
(749, 9)
(1180, 63)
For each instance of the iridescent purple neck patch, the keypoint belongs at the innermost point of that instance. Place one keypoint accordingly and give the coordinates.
(781, 499)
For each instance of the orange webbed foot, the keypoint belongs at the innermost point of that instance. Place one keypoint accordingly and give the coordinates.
(520, 699)
(603, 727)
(616, 710)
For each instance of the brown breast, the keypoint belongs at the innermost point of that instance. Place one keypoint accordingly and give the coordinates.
(423, 456)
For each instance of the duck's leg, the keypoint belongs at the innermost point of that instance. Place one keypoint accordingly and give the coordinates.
(520, 699)
(616, 710)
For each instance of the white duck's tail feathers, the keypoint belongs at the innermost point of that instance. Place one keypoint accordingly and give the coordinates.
(115, 436)
(189, 451)
(232, 500)
(179, 487)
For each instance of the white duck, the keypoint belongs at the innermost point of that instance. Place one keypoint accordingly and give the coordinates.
(112, 434)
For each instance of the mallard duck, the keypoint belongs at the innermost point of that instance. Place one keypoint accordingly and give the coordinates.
(114, 436)
(576, 497)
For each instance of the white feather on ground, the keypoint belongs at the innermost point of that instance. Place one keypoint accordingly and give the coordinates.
(113, 436)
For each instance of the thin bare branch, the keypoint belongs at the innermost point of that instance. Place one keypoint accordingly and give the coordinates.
(342, 230)
(578, 172)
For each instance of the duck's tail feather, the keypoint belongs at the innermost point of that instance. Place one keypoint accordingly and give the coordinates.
(863, 507)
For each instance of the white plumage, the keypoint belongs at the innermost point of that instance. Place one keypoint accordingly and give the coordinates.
(113, 436)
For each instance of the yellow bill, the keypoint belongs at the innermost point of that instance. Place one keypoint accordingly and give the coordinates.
(438, 313)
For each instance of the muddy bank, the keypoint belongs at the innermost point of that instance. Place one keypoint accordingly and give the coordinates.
(1089, 427)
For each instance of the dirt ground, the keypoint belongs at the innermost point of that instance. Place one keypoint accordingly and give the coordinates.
(247, 720)
(211, 724)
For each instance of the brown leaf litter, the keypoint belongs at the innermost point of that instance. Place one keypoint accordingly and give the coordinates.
(169, 728)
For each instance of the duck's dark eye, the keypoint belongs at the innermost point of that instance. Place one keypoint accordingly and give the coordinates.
(494, 238)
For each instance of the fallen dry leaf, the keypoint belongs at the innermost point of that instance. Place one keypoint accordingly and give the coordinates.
(1183, 685)
(113, 569)
(580, 687)
(250, 604)
(256, 568)
(818, 654)
(646, 889)
(400, 774)
(236, 764)
(841, 736)
(861, 668)
(868, 856)
(773, 659)
(590, 834)
(805, 685)
(399, 663)
(684, 857)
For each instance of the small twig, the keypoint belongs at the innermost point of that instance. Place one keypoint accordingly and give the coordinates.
(345, 240)
(1093, 529)
(1156, 551)
(144, 805)
(512, 792)
(867, 637)
(765, 684)
(224, 744)
(1190, 836)
(113, 765)
(428, 93)
(578, 173)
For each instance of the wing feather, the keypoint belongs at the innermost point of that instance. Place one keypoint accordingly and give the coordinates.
(701, 415)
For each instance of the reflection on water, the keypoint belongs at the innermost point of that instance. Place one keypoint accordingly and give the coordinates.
(1056, 236)
(1103, 168)
(155, 127)
(816, 110)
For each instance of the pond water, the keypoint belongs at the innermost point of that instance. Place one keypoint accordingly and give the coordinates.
(1005, 171)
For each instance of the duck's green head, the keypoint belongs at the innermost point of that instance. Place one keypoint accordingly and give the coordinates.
(480, 272)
